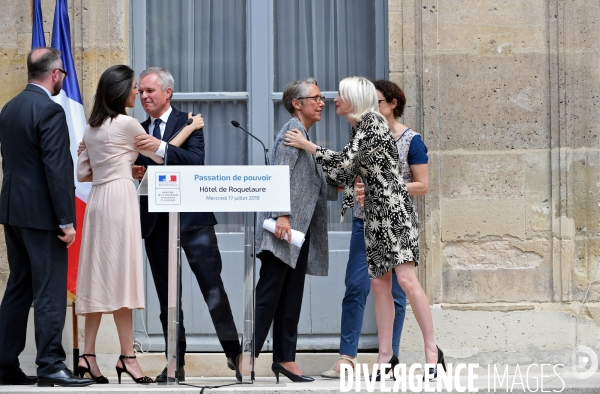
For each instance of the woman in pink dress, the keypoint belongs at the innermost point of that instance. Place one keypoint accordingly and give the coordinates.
(110, 276)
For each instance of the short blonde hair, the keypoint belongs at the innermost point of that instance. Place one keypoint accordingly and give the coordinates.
(361, 94)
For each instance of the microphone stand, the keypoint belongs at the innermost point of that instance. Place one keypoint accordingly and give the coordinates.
(174, 240)
(266, 151)
(253, 255)
(187, 123)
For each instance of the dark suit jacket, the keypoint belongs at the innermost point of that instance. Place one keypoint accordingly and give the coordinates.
(190, 153)
(38, 189)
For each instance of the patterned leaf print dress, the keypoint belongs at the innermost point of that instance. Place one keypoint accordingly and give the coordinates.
(391, 227)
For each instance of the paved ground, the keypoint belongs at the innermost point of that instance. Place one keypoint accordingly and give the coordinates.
(564, 382)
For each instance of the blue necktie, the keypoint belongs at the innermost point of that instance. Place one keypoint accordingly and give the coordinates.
(156, 131)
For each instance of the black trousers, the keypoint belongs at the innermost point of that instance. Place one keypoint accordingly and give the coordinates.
(279, 295)
(202, 252)
(38, 273)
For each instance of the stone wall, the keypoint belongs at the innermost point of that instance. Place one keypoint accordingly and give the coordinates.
(505, 96)
(100, 36)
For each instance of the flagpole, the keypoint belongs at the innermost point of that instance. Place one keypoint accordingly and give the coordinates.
(70, 99)
(75, 338)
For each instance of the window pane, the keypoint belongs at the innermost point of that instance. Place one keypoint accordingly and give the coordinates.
(325, 39)
(224, 144)
(202, 43)
(331, 132)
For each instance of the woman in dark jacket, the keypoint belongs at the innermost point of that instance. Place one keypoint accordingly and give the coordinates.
(281, 285)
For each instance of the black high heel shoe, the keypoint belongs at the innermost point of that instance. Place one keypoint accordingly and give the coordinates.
(440, 360)
(142, 380)
(278, 368)
(81, 371)
(393, 361)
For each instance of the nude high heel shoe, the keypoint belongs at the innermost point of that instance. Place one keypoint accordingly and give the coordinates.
(331, 374)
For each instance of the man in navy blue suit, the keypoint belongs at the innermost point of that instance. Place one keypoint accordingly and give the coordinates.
(37, 209)
(198, 237)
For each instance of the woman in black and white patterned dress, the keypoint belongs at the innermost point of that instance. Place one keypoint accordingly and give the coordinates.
(391, 232)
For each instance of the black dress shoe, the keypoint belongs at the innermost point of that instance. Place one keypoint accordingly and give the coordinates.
(230, 363)
(17, 377)
(63, 378)
(162, 378)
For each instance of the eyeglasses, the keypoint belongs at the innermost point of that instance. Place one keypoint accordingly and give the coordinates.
(317, 99)
(63, 71)
(380, 101)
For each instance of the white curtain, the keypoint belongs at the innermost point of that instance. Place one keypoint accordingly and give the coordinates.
(328, 40)
(202, 42)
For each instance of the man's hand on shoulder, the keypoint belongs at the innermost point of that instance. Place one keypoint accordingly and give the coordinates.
(68, 236)
(146, 143)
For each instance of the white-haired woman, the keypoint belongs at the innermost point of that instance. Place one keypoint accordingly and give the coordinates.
(391, 233)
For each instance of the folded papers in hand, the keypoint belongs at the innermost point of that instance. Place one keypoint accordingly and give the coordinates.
(297, 236)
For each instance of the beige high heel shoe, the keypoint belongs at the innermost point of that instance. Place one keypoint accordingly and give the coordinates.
(331, 374)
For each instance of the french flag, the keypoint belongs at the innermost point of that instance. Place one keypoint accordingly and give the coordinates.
(70, 99)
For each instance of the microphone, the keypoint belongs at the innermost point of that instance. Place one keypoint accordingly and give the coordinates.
(236, 124)
(187, 123)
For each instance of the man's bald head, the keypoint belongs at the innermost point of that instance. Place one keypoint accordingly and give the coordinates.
(41, 62)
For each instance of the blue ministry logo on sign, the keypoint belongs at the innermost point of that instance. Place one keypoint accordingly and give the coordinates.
(170, 180)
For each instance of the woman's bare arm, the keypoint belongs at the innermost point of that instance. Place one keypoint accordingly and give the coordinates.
(420, 183)
(183, 135)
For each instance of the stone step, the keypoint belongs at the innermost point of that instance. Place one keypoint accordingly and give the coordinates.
(502, 379)
(268, 385)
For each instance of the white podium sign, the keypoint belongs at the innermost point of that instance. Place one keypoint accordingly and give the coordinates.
(218, 188)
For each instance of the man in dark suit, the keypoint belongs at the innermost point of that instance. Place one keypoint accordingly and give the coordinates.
(198, 237)
(37, 208)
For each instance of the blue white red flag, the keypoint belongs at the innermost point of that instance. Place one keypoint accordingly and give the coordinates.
(37, 36)
(70, 99)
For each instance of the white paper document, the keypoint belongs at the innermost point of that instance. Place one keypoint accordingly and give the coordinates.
(297, 236)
